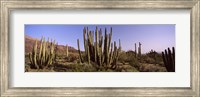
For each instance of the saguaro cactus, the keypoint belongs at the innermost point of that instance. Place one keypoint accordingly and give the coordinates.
(135, 50)
(139, 49)
(56, 52)
(67, 53)
(45, 56)
(79, 51)
(169, 59)
(99, 49)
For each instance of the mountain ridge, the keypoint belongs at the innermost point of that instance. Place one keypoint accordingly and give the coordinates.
(30, 42)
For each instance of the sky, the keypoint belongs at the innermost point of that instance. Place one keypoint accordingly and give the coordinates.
(152, 36)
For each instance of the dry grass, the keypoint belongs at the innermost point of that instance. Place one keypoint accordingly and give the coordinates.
(144, 67)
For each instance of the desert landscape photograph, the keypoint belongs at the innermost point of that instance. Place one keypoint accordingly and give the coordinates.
(99, 48)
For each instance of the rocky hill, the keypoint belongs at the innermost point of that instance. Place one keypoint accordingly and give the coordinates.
(29, 42)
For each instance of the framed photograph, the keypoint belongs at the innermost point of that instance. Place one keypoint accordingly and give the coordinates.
(100, 48)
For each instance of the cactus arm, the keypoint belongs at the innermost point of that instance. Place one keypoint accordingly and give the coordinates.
(35, 53)
(79, 51)
(40, 51)
(173, 54)
(120, 47)
(30, 58)
(105, 47)
(164, 59)
(111, 54)
(84, 39)
(110, 38)
(170, 65)
(167, 60)
(67, 53)
(44, 54)
(95, 52)
(88, 55)
(96, 45)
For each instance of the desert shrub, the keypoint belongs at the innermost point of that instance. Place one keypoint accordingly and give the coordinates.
(154, 57)
(135, 63)
(127, 56)
(159, 59)
(133, 69)
(88, 67)
(130, 55)
(149, 60)
(72, 58)
(109, 70)
(27, 60)
(123, 57)
(28, 69)
(151, 68)
(76, 67)
(125, 68)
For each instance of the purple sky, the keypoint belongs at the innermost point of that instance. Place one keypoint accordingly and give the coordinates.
(152, 36)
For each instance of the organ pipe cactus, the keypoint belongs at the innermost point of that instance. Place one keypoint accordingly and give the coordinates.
(135, 50)
(56, 52)
(169, 59)
(67, 53)
(44, 57)
(79, 51)
(138, 54)
(99, 49)
(139, 49)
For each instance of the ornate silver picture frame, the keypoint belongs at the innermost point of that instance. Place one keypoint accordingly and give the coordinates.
(6, 7)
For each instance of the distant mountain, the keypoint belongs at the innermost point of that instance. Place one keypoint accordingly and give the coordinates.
(29, 42)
